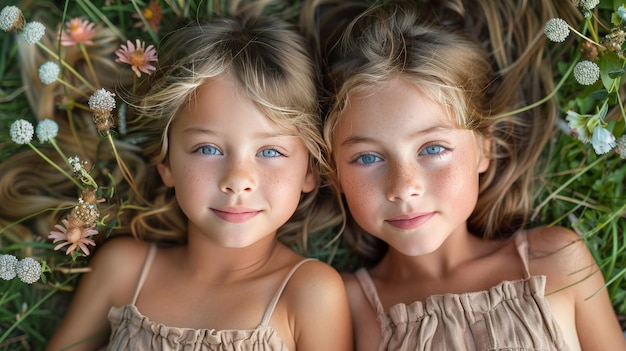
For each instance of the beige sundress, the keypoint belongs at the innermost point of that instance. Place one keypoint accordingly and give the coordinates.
(513, 315)
(133, 331)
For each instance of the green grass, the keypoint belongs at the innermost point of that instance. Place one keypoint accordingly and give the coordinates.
(579, 190)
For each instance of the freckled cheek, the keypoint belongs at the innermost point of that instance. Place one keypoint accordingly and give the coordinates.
(358, 191)
(457, 178)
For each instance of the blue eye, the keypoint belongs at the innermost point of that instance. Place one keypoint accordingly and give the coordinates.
(368, 159)
(209, 150)
(432, 150)
(269, 153)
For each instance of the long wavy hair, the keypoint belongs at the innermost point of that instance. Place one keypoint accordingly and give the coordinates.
(270, 61)
(481, 61)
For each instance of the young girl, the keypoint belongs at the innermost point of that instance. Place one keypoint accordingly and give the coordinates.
(231, 125)
(438, 188)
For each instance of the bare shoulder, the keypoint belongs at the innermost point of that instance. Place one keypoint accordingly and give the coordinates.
(319, 312)
(113, 275)
(561, 255)
(318, 277)
(364, 318)
(575, 288)
(119, 261)
(356, 297)
(559, 248)
(547, 241)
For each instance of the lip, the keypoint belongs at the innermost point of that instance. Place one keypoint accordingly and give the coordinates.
(410, 221)
(235, 214)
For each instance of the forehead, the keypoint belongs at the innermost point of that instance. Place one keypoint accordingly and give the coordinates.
(394, 100)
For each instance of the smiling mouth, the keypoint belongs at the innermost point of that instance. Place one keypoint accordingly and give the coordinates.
(235, 217)
(411, 221)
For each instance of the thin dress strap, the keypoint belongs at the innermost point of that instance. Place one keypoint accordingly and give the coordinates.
(270, 308)
(145, 270)
(369, 289)
(521, 242)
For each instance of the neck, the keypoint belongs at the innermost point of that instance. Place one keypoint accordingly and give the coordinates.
(458, 249)
(208, 260)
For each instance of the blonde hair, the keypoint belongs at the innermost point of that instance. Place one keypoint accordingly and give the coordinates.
(480, 79)
(271, 63)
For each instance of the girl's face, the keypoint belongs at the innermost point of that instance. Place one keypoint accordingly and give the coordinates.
(238, 177)
(410, 177)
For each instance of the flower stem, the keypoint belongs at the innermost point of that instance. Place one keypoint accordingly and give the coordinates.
(67, 66)
(594, 42)
(70, 118)
(547, 97)
(53, 164)
(80, 92)
(83, 49)
(124, 169)
(59, 151)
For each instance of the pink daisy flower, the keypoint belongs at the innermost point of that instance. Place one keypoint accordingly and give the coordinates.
(74, 235)
(153, 15)
(139, 57)
(78, 31)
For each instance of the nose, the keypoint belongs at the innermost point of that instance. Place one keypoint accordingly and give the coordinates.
(238, 177)
(403, 181)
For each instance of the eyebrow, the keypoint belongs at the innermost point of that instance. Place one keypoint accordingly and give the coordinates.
(200, 130)
(356, 139)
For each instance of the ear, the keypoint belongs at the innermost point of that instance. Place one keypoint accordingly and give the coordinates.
(310, 181)
(166, 174)
(485, 155)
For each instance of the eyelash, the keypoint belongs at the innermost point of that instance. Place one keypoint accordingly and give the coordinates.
(218, 152)
(208, 147)
(441, 151)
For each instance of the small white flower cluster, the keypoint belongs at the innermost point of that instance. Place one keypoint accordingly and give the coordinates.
(12, 20)
(102, 101)
(49, 72)
(33, 32)
(586, 72)
(589, 4)
(27, 269)
(556, 30)
(76, 164)
(22, 132)
(47, 130)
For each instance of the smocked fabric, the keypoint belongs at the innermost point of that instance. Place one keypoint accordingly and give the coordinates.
(131, 330)
(511, 316)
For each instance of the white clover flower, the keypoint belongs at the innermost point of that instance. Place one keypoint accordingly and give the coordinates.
(28, 270)
(578, 125)
(556, 30)
(7, 267)
(620, 146)
(11, 19)
(589, 4)
(33, 32)
(586, 72)
(102, 101)
(46, 130)
(602, 140)
(22, 132)
(49, 72)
